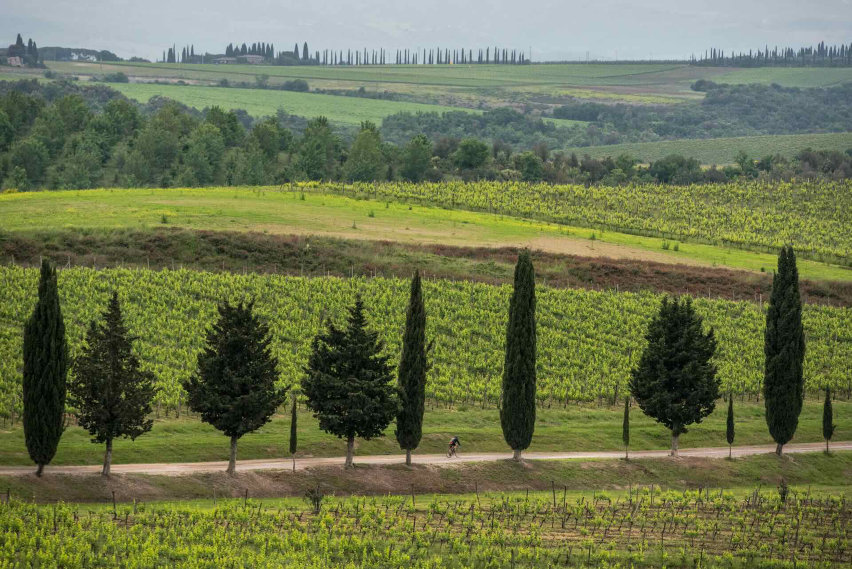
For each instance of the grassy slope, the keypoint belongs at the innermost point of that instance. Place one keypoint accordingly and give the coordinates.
(574, 479)
(284, 213)
(724, 150)
(575, 428)
(263, 102)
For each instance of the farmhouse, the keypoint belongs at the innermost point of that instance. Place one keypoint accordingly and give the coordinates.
(15, 61)
(225, 60)
(251, 59)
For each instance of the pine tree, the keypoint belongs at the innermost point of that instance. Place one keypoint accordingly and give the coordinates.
(305, 55)
(625, 427)
(517, 402)
(675, 382)
(729, 434)
(412, 372)
(294, 430)
(828, 425)
(348, 384)
(45, 370)
(296, 52)
(234, 386)
(111, 393)
(784, 350)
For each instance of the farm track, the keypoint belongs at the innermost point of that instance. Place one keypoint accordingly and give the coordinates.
(426, 459)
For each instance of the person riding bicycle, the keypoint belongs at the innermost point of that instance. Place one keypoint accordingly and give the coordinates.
(454, 444)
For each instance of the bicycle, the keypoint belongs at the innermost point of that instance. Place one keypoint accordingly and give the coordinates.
(451, 451)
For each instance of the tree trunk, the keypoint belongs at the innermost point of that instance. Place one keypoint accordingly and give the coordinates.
(408, 454)
(674, 444)
(517, 455)
(107, 458)
(350, 448)
(40, 468)
(232, 461)
(730, 452)
(626, 453)
(778, 449)
(826, 446)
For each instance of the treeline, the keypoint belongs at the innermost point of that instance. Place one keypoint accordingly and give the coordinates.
(353, 391)
(27, 52)
(820, 55)
(62, 136)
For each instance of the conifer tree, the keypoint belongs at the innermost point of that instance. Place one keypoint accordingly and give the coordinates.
(625, 427)
(784, 350)
(45, 370)
(729, 432)
(675, 382)
(111, 393)
(294, 430)
(517, 401)
(412, 373)
(828, 425)
(349, 382)
(234, 387)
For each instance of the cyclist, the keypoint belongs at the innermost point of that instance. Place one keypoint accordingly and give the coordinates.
(454, 444)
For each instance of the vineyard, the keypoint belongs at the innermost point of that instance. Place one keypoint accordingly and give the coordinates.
(588, 340)
(642, 528)
(814, 217)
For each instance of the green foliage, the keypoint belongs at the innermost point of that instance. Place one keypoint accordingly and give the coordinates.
(471, 154)
(109, 391)
(412, 371)
(784, 351)
(348, 381)
(318, 151)
(234, 387)
(828, 425)
(45, 368)
(366, 162)
(518, 395)
(416, 158)
(294, 432)
(729, 421)
(675, 381)
(625, 425)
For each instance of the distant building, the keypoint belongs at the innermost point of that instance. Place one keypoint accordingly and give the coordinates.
(225, 60)
(251, 59)
(15, 61)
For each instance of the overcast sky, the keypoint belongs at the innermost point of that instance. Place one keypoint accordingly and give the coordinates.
(554, 29)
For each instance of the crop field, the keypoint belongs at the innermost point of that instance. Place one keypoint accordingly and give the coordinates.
(394, 212)
(644, 527)
(723, 150)
(588, 340)
(265, 102)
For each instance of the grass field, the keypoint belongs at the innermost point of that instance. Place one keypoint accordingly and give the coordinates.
(723, 150)
(264, 102)
(573, 428)
(280, 212)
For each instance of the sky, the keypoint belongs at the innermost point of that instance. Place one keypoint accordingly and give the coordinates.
(551, 29)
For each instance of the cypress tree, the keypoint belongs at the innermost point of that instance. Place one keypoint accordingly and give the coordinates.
(111, 393)
(625, 427)
(293, 430)
(517, 403)
(675, 382)
(349, 382)
(45, 369)
(784, 349)
(234, 385)
(828, 425)
(412, 373)
(729, 433)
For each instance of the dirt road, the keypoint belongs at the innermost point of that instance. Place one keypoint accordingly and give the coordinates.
(433, 459)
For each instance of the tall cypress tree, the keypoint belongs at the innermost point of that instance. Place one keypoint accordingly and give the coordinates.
(45, 370)
(111, 393)
(234, 385)
(784, 350)
(625, 427)
(293, 430)
(675, 381)
(517, 402)
(828, 425)
(412, 373)
(729, 433)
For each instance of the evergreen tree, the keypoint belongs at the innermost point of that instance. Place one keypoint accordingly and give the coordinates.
(305, 55)
(45, 369)
(784, 349)
(294, 430)
(412, 372)
(234, 385)
(416, 158)
(729, 434)
(675, 382)
(296, 52)
(366, 163)
(517, 401)
(625, 427)
(828, 425)
(111, 393)
(349, 382)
